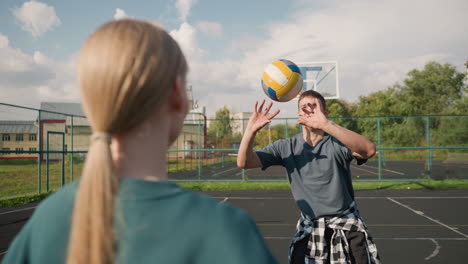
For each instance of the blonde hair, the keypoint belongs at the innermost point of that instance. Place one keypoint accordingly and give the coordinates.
(126, 69)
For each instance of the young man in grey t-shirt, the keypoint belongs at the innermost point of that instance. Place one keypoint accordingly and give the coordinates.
(318, 165)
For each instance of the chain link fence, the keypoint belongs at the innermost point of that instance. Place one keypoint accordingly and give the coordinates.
(42, 149)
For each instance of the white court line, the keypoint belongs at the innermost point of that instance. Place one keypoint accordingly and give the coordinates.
(369, 225)
(218, 173)
(435, 252)
(432, 219)
(19, 210)
(390, 238)
(396, 172)
(2, 253)
(356, 167)
(360, 198)
(254, 198)
(373, 172)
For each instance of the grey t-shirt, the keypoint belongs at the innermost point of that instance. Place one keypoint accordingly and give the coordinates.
(320, 176)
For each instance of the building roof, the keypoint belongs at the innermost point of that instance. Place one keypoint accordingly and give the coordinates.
(194, 117)
(18, 127)
(65, 108)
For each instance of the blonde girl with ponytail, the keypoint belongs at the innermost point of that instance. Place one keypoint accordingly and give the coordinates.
(123, 209)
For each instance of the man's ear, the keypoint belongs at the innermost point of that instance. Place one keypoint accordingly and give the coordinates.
(178, 98)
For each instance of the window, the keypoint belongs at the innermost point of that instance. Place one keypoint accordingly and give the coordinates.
(6, 149)
(6, 137)
(32, 137)
(19, 150)
(32, 149)
(19, 137)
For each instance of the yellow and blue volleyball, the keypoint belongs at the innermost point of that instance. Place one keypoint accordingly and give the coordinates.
(282, 80)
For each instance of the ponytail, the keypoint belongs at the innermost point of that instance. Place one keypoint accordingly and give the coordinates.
(92, 235)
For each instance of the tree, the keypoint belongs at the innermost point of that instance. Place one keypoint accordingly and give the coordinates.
(340, 112)
(433, 90)
(282, 132)
(220, 129)
(265, 136)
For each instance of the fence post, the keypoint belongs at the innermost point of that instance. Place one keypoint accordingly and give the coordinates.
(63, 157)
(47, 163)
(198, 152)
(379, 145)
(222, 159)
(39, 154)
(428, 143)
(72, 153)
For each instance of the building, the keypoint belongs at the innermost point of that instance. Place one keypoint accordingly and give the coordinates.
(239, 122)
(18, 136)
(63, 127)
(193, 135)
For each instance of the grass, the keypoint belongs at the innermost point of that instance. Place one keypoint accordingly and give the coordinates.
(280, 185)
(19, 177)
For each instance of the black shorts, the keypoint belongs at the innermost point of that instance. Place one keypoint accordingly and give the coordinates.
(356, 240)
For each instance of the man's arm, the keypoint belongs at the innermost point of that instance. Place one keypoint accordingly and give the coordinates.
(316, 119)
(246, 157)
(359, 145)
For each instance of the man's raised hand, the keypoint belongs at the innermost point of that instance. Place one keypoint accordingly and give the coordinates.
(261, 117)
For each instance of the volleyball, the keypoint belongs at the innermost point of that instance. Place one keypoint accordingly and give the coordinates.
(282, 80)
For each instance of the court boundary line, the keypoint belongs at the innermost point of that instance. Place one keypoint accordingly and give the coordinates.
(226, 198)
(436, 250)
(358, 197)
(369, 225)
(19, 210)
(223, 171)
(396, 172)
(428, 217)
(391, 238)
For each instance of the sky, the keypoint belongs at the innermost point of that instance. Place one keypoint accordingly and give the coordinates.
(229, 43)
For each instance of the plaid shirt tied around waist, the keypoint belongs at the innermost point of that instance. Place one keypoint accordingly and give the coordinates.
(317, 253)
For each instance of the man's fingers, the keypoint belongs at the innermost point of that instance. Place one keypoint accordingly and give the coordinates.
(268, 107)
(255, 106)
(274, 114)
(260, 109)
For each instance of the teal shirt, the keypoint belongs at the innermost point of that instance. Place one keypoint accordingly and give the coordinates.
(156, 222)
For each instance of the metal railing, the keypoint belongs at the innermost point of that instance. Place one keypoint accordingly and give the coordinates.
(408, 148)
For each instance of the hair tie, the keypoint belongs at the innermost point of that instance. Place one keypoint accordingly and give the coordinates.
(101, 136)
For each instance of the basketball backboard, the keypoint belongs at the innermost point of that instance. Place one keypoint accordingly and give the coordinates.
(321, 77)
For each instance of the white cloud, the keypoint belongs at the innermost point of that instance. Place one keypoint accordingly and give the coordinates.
(36, 17)
(4, 42)
(375, 42)
(186, 36)
(119, 14)
(212, 29)
(183, 7)
(27, 80)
